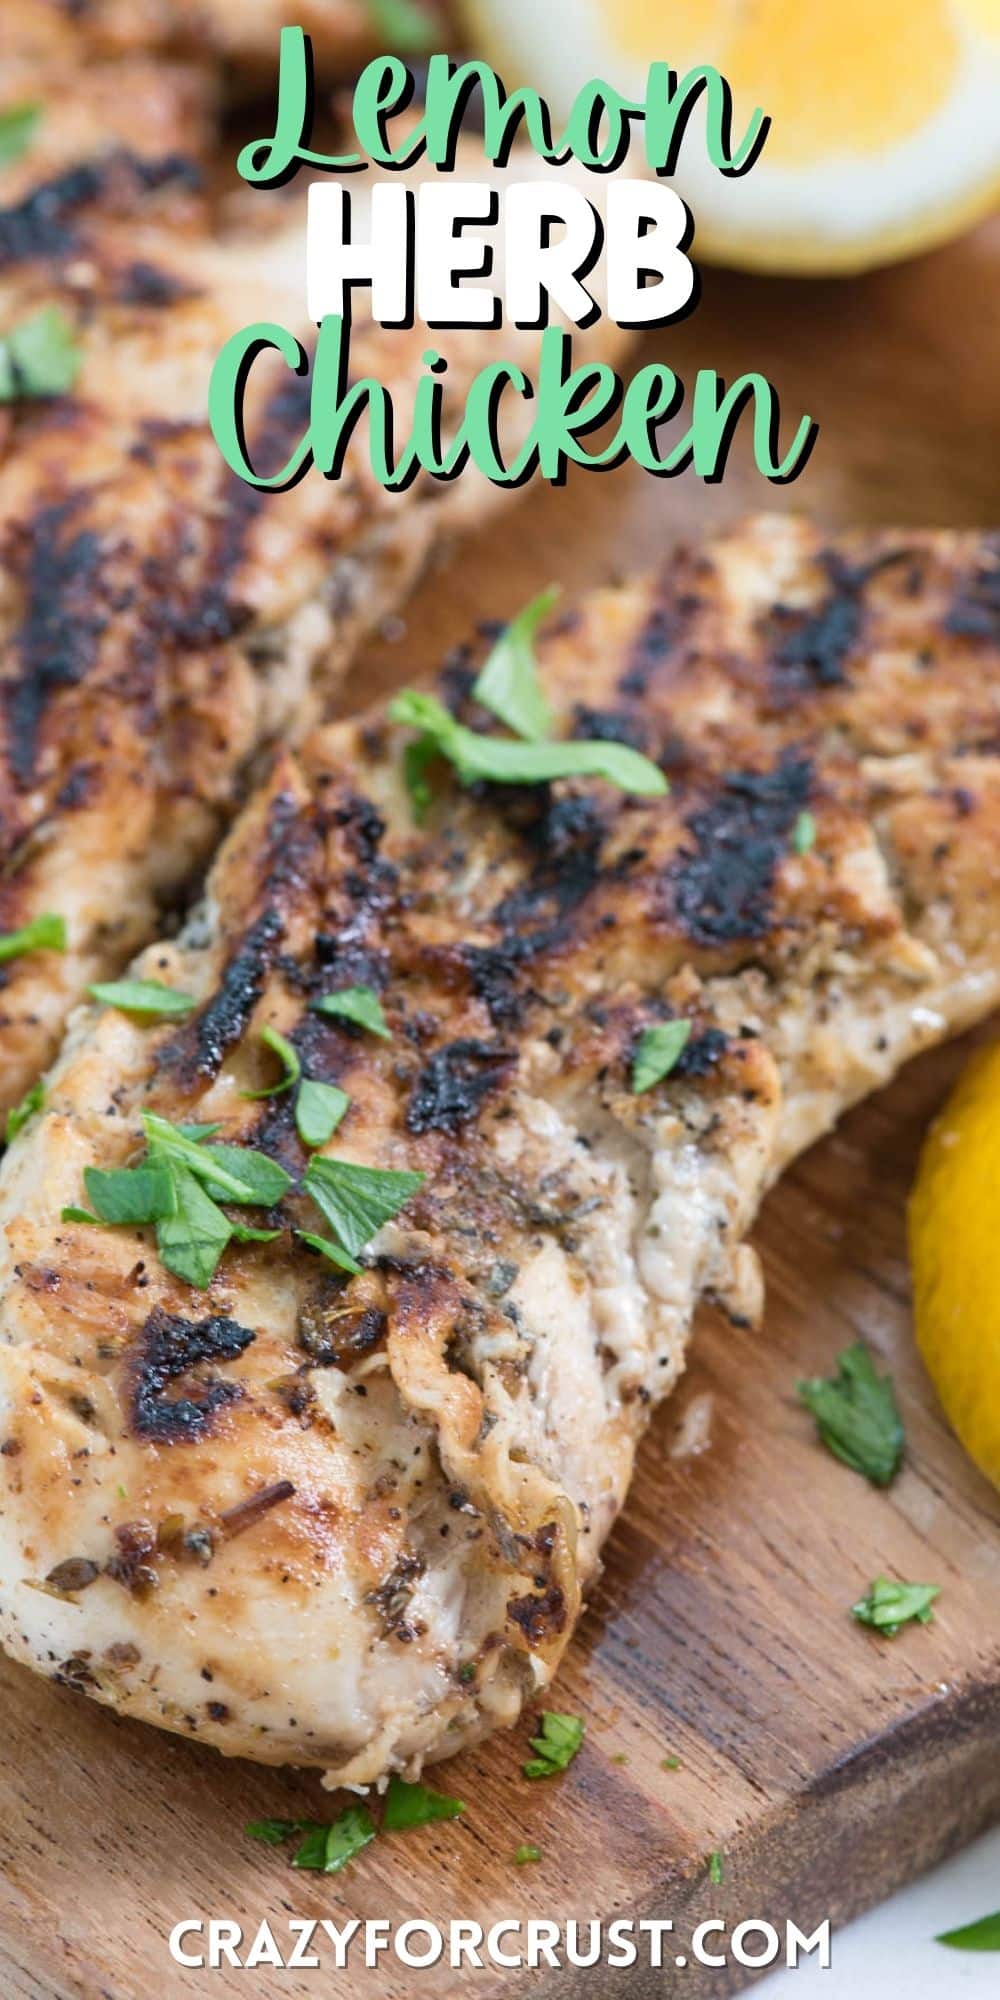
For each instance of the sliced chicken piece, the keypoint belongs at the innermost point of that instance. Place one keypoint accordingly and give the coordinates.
(348, 1520)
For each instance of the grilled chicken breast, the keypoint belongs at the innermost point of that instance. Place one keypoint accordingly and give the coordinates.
(347, 1520)
(241, 34)
(159, 619)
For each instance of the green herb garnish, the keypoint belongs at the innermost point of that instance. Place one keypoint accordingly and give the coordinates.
(143, 996)
(178, 1188)
(983, 1935)
(556, 1745)
(18, 1115)
(356, 1201)
(291, 1066)
(504, 762)
(39, 357)
(45, 933)
(857, 1416)
(527, 1853)
(326, 1847)
(670, 1763)
(359, 1004)
(331, 1250)
(715, 1868)
(319, 1108)
(804, 833)
(890, 1605)
(402, 25)
(657, 1053)
(508, 683)
(17, 129)
(414, 1805)
(329, 1849)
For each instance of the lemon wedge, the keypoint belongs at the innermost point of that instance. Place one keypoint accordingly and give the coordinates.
(954, 1242)
(885, 134)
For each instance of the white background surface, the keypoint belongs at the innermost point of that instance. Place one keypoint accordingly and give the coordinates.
(890, 1954)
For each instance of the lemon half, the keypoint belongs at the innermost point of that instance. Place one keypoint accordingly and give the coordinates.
(955, 1255)
(885, 134)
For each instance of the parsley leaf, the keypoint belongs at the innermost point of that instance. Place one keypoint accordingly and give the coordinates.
(133, 1196)
(715, 1868)
(328, 1849)
(356, 1201)
(415, 1805)
(508, 683)
(331, 1250)
(18, 1115)
(417, 760)
(983, 1935)
(508, 763)
(290, 1064)
(804, 833)
(657, 1053)
(857, 1416)
(191, 1241)
(359, 1004)
(39, 357)
(527, 1853)
(45, 933)
(402, 25)
(319, 1109)
(556, 1745)
(230, 1173)
(143, 996)
(890, 1604)
(17, 129)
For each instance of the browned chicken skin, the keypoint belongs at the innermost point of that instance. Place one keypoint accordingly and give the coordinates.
(367, 1507)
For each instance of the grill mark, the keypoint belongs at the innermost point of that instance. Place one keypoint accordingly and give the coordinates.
(722, 886)
(40, 225)
(168, 1346)
(214, 614)
(65, 615)
(817, 644)
(452, 1085)
(143, 284)
(609, 725)
(226, 1016)
(666, 624)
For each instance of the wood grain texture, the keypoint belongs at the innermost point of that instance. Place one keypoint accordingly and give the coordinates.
(827, 1765)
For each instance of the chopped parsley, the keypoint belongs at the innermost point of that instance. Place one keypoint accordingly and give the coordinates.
(17, 129)
(890, 1605)
(804, 833)
(716, 1868)
(558, 1740)
(44, 933)
(528, 1852)
(178, 1188)
(415, 1805)
(143, 996)
(291, 1066)
(39, 357)
(355, 1200)
(508, 684)
(670, 1763)
(330, 1250)
(319, 1108)
(19, 1114)
(506, 762)
(657, 1053)
(358, 1004)
(857, 1416)
(402, 25)
(983, 1935)
(325, 1848)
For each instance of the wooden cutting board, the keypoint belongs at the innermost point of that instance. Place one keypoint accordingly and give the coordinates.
(827, 1765)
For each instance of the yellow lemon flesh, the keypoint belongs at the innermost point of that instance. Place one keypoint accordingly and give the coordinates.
(885, 133)
(955, 1255)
